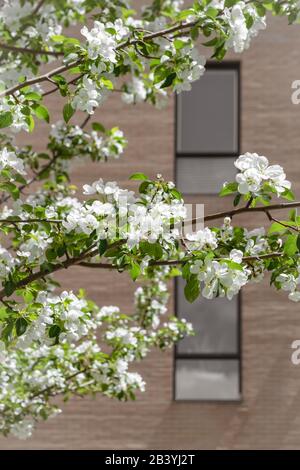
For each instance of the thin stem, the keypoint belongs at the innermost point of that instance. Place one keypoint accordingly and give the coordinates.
(86, 120)
(249, 202)
(271, 218)
(38, 7)
(71, 82)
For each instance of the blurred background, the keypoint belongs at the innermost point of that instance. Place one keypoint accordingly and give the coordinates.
(233, 386)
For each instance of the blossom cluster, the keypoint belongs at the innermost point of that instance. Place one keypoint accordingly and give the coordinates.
(99, 144)
(32, 373)
(10, 161)
(255, 173)
(290, 282)
(151, 301)
(245, 23)
(118, 43)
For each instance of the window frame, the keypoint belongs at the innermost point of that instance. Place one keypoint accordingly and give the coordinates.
(227, 65)
(238, 356)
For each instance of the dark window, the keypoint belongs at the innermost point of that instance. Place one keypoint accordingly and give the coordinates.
(208, 365)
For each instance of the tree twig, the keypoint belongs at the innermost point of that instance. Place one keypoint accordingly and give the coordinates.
(178, 262)
(88, 253)
(241, 210)
(65, 68)
(28, 50)
(29, 221)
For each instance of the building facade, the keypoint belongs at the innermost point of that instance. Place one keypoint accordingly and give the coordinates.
(252, 348)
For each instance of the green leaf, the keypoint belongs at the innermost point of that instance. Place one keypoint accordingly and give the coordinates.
(51, 254)
(211, 42)
(298, 243)
(230, 3)
(179, 44)
(276, 227)
(152, 249)
(11, 189)
(237, 199)
(228, 188)
(192, 289)
(59, 79)
(21, 326)
(169, 80)
(232, 264)
(54, 331)
(293, 215)
(33, 96)
(103, 245)
(107, 83)
(290, 246)
(194, 32)
(68, 112)
(288, 194)
(41, 112)
(58, 38)
(261, 10)
(139, 177)
(7, 331)
(9, 288)
(135, 271)
(96, 126)
(176, 194)
(6, 119)
(143, 187)
(249, 21)
(30, 122)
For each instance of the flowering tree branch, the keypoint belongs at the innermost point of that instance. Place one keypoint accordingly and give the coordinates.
(178, 262)
(49, 339)
(123, 45)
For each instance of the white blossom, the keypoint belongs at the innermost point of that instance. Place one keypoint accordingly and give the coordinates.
(255, 171)
(203, 239)
(100, 43)
(88, 96)
(9, 160)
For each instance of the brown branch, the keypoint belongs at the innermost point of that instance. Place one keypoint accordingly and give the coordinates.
(39, 79)
(28, 50)
(85, 122)
(71, 82)
(29, 221)
(38, 7)
(88, 253)
(241, 210)
(64, 68)
(177, 262)
(57, 267)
